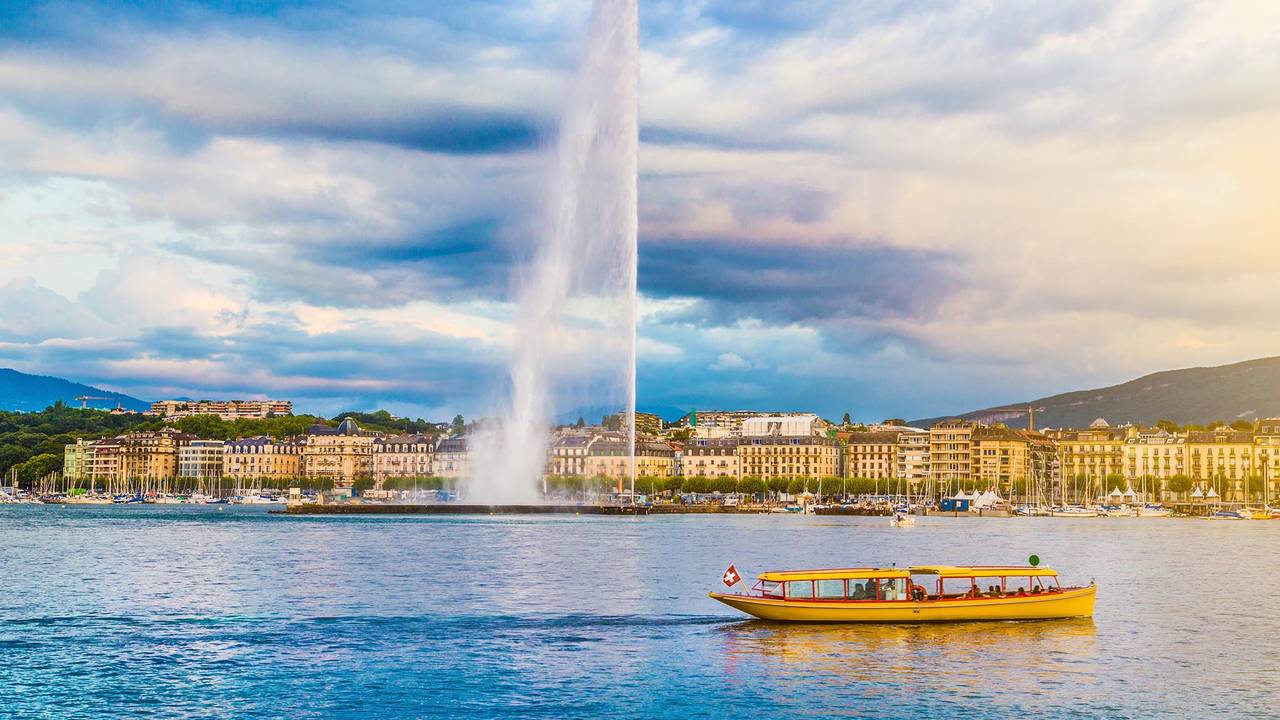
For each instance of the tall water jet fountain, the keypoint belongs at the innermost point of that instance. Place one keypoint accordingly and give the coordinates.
(575, 328)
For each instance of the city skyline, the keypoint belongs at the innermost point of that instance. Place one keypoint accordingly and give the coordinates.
(325, 205)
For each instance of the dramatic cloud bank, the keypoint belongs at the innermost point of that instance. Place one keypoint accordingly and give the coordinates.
(887, 209)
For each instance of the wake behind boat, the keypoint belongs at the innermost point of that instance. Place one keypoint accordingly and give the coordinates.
(935, 593)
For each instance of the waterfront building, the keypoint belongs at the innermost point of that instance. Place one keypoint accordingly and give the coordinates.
(452, 458)
(343, 454)
(150, 456)
(225, 409)
(777, 456)
(871, 454)
(1088, 457)
(1266, 440)
(76, 460)
(710, 458)
(648, 424)
(609, 456)
(1152, 457)
(103, 460)
(1004, 457)
(568, 454)
(200, 459)
(401, 456)
(793, 425)
(1222, 459)
(262, 459)
(951, 454)
(913, 455)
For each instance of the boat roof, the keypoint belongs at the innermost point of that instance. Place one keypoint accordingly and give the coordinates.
(945, 571)
(835, 574)
(983, 570)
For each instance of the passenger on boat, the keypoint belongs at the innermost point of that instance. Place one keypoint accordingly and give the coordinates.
(1035, 590)
(917, 593)
(974, 592)
(992, 591)
(1020, 592)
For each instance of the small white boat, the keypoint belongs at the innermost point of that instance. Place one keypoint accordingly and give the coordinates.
(1229, 515)
(1153, 511)
(1073, 511)
(902, 520)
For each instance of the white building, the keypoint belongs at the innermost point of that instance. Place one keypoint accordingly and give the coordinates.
(784, 426)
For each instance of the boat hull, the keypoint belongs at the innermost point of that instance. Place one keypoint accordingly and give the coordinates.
(1076, 602)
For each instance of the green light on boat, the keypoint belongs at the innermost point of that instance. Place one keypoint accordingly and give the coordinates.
(1034, 560)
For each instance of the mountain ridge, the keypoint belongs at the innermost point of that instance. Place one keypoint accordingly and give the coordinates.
(1246, 389)
(28, 393)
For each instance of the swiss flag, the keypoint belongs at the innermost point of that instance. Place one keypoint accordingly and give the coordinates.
(731, 576)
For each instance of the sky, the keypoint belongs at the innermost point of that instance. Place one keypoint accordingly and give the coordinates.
(889, 209)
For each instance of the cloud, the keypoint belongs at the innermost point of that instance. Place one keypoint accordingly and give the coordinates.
(894, 209)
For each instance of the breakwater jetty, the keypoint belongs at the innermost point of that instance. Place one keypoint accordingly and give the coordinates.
(457, 509)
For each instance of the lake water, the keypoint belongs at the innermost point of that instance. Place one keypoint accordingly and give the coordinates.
(197, 612)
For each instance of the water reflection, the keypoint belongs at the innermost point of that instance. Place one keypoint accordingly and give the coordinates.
(971, 660)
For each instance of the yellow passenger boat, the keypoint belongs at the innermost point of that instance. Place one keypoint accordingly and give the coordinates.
(935, 593)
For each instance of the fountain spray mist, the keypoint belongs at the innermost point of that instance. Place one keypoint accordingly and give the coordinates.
(576, 321)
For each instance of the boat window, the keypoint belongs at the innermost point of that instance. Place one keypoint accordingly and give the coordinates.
(893, 590)
(990, 586)
(771, 588)
(831, 589)
(799, 588)
(862, 590)
(956, 587)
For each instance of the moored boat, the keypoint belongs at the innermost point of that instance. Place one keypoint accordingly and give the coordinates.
(912, 595)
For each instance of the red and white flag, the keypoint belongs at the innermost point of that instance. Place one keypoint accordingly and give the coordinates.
(731, 576)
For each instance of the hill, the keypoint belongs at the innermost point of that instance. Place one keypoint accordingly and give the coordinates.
(30, 393)
(1192, 395)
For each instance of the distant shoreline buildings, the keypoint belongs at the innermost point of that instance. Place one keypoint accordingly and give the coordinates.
(954, 454)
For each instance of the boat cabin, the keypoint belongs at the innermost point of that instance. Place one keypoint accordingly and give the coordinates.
(932, 583)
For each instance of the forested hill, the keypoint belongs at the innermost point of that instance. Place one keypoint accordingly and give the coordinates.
(29, 393)
(1243, 390)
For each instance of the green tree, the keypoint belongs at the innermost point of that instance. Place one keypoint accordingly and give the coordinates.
(1168, 426)
(582, 422)
(752, 485)
(1242, 425)
(725, 484)
(778, 484)
(695, 484)
(1215, 424)
(1180, 484)
(459, 425)
(846, 420)
(797, 486)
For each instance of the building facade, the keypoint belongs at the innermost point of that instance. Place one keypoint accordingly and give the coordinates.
(262, 459)
(76, 460)
(871, 454)
(225, 409)
(150, 456)
(776, 456)
(343, 454)
(712, 458)
(1089, 456)
(913, 455)
(951, 454)
(201, 459)
(401, 456)
(452, 458)
(609, 456)
(567, 455)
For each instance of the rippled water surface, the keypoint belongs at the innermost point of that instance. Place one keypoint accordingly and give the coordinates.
(188, 612)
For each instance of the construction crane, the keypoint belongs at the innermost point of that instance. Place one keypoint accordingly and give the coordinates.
(84, 400)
